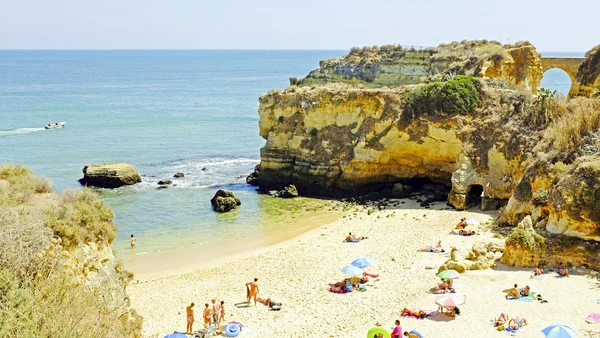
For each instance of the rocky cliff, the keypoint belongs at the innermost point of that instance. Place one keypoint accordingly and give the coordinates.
(395, 65)
(346, 140)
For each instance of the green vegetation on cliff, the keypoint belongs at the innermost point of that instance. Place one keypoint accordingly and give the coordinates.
(460, 95)
(47, 288)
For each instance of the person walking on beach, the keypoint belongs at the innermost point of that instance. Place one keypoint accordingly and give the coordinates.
(189, 311)
(253, 291)
(216, 312)
(132, 241)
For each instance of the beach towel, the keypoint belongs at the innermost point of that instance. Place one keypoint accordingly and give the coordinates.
(427, 314)
(593, 318)
(472, 222)
(527, 299)
(539, 276)
(511, 330)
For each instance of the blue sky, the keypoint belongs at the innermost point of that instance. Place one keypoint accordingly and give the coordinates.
(550, 25)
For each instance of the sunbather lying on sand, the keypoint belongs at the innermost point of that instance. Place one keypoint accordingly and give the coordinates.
(463, 232)
(537, 272)
(414, 313)
(434, 248)
(517, 323)
(563, 272)
(268, 300)
(525, 291)
(444, 287)
(353, 238)
(512, 292)
(501, 320)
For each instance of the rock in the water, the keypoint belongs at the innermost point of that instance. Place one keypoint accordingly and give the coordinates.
(289, 191)
(164, 182)
(224, 201)
(178, 175)
(162, 187)
(252, 179)
(109, 175)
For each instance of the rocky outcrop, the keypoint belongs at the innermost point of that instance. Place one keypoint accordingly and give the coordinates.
(224, 201)
(480, 257)
(289, 191)
(179, 175)
(109, 175)
(252, 179)
(559, 199)
(395, 65)
(349, 141)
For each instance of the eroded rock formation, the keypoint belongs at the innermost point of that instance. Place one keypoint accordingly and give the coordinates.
(224, 201)
(110, 175)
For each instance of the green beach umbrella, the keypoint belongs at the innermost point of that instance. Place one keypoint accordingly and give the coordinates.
(449, 274)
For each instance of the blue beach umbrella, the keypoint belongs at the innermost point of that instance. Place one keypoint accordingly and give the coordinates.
(176, 335)
(362, 262)
(559, 331)
(352, 270)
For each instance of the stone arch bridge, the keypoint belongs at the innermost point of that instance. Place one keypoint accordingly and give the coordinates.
(571, 65)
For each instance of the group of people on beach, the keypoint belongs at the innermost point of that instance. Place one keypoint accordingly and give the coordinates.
(212, 314)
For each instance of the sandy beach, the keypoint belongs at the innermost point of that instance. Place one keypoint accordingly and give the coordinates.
(296, 273)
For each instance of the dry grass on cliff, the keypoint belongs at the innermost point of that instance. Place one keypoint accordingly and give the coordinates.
(39, 293)
(572, 125)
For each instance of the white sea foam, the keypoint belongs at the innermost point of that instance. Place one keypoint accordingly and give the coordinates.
(19, 131)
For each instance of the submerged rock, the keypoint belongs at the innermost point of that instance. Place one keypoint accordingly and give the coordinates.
(164, 182)
(224, 201)
(109, 175)
(179, 175)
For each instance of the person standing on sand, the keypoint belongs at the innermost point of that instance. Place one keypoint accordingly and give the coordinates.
(132, 241)
(253, 291)
(216, 312)
(206, 316)
(189, 311)
(222, 314)
(397, 333)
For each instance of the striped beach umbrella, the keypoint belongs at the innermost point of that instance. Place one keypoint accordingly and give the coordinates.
(559, 331)
(450, 300)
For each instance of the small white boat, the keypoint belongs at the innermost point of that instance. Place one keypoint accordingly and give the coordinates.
(55, 125)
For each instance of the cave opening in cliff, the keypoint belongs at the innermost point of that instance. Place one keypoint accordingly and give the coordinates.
(474, 195)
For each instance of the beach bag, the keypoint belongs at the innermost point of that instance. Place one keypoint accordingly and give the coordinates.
(275, 306)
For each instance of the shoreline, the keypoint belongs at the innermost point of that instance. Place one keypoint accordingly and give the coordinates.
(182, 261)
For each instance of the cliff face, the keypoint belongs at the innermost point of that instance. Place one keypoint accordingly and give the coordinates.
(350, 141)
(394, 65)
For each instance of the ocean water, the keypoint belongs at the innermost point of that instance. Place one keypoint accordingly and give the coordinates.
(163, 112)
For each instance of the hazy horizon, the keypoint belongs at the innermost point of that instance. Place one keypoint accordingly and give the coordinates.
(277, 25)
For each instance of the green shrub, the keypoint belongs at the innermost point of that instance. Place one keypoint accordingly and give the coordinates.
(529, 240)
(82, 216)
(460, 95)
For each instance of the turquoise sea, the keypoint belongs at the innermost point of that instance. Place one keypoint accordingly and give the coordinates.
(163, 112)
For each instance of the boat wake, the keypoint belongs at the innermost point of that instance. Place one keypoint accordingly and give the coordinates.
(19, 131)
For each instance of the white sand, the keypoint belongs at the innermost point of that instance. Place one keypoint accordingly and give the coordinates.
(296, 274)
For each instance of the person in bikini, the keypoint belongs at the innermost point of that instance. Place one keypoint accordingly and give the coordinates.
(222, 314)
(512, 292)
(253, 293)
(206, 314)
(415, 313)
(563, 272)
(501, 320)
(517, 323)
(189, 311)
